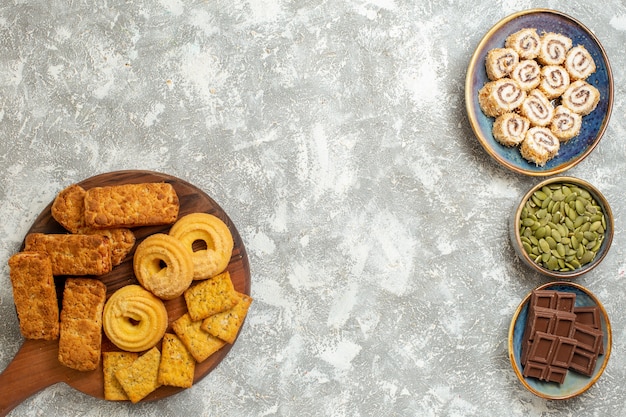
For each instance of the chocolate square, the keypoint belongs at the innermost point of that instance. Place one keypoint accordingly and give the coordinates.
(589, 316)
(588, 338)
(535, 370)
(556, 374)
(583, 362)
(564, 324)
(543, 298)
(563, 352)
(542, 348)
(565, 301)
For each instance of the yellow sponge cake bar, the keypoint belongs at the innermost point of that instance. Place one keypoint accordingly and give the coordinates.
(34, 295)
(73, 254)
(131, 205)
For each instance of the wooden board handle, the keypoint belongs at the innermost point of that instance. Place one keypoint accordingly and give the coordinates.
(33, 368)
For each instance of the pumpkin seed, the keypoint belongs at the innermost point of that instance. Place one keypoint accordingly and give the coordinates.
(562, 227)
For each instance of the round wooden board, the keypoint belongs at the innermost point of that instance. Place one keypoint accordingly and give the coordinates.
(35, 366)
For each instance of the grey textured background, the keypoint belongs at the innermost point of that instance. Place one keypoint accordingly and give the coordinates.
(334, 134)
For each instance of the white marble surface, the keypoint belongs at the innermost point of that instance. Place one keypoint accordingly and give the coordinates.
(335, 136)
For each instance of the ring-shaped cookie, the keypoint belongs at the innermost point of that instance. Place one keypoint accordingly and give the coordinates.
(216, 236)
(134, 319)
(163, 266)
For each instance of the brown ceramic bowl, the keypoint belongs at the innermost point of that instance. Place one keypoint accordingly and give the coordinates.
(551, 253)
(574, 383)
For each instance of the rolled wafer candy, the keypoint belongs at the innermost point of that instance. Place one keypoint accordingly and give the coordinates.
(554, 80)
(525, 42)
(500, 96)
(510, 129)
(537, 108)
(553, 49)
(581, 97)
(500, 62)
(527, 73)
(565, 124)
(579, 63)
(539, 146)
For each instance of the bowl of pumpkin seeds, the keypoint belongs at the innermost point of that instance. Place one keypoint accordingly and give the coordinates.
(563, 227)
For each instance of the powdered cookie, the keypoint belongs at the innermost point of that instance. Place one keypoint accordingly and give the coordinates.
(216, 237)
(163, 266)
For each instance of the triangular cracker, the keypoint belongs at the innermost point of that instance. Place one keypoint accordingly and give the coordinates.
(199, 343)
(177, 364)
(226, 325)
(111, 363)
(141, 378)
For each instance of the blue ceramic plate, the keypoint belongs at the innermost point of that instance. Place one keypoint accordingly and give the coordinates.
(575, 383)
(594, 124)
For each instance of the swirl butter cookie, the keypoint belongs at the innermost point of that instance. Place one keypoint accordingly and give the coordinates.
(163, 266)
(134, 319)
(214, 234)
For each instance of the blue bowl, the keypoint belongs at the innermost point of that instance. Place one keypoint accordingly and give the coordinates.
(594, 124)
(574, 384)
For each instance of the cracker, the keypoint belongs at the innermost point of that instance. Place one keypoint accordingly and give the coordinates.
(141, 377)
(131, 205)
(81, 323)
(68, 208)
(226, 325)
(200, 344)
(73, 254)
(35, 295)
(111, 363)
(211, 296)
(177, 363)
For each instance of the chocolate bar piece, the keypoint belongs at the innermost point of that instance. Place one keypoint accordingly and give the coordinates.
(583, 362)
(563, 352)
(559, 336)
(565, 301)
(556, 374)
(542, 348)
(564, 323)
(545, 372)
(588, 338)
(543, 298)
(589, 316)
